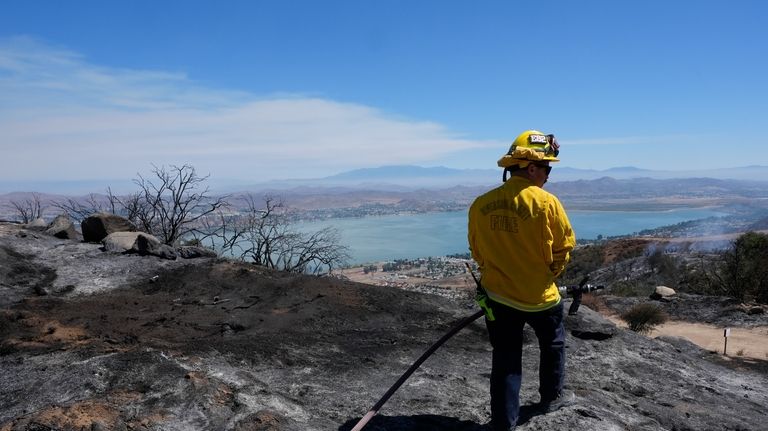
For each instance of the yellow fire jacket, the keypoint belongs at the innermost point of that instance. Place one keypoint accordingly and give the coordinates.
(521, 238)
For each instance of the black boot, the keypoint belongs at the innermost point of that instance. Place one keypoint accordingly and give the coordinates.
(564, 399)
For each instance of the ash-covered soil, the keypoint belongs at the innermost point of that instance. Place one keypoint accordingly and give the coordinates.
(99, 341)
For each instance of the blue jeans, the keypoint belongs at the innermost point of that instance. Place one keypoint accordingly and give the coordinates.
(506, 336)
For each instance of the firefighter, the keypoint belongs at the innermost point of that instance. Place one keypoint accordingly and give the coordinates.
(521, 239)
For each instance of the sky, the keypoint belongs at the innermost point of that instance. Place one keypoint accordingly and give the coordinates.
(259, 90)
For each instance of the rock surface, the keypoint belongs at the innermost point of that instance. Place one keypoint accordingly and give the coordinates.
(121, 242)
(131, 342)
(97, 226)
(150, 245)
(194, 252)
(37, 224)
(663, 292)
(62, 227)
(145, 244)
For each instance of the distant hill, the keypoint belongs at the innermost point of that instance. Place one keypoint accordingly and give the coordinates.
(392, 178)
(404, 173)
(747, 173)
(68, 187)
(397, 178)
(409, 177)
(357, 198)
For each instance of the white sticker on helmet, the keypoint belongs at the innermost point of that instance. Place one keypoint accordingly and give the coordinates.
(538, 139)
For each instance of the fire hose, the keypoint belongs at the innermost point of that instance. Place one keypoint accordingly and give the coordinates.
(375, 409)
(575, 291)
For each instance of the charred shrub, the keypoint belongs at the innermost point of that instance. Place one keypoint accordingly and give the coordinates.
(584, 260)
(643, 318)
(631, 288)
(665, 266)
(7, 320)
(7, 348)
(5, 326)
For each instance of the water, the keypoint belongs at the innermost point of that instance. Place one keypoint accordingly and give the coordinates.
(381, 238)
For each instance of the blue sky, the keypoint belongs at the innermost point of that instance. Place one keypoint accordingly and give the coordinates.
(258, 90)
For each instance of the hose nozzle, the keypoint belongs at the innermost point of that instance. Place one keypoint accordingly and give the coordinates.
(576, 292)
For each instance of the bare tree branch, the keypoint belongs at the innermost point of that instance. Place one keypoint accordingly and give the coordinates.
(28, 209)
(266, 236)
(173, 202)
(79, 209)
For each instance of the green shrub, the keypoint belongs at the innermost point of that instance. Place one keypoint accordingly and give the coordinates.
(644, 317)
(743, 273)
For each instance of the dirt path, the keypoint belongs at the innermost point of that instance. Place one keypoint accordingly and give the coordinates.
(745, 342)
(742, 342)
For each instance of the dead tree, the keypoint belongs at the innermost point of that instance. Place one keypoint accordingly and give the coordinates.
(312, 252)
(28, 209)
(79, 209)
(267, 236)
(169, 205)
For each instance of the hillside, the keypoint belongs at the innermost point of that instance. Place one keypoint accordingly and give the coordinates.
(100, 341)
(399, 177)
(321, 200)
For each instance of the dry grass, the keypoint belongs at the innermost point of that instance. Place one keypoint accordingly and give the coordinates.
(594, 302)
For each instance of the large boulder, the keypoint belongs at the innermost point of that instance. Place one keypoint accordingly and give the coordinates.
(148, 244)
(97, 226)
(37, 224)
(62, 227)
(663, 293)
(588, 324)
(193, 251)
(137, 242)
(121, 242)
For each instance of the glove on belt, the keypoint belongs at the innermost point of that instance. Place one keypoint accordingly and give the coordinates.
(483, 301)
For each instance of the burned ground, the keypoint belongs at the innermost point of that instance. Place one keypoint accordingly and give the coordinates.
(92, 341)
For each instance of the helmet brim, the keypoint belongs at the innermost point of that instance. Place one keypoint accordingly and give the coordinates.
(526, 155)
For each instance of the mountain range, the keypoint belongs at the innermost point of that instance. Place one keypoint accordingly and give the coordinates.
(396, 178)
(409, 177)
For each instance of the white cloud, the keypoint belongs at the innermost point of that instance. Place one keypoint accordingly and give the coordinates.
(64, 118)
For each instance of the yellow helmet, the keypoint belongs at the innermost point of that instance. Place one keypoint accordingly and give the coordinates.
(531, 146)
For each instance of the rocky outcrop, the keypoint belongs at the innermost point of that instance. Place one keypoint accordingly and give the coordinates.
(588, 325)
(121, 242)
(97, 226)
(193, 252)
(62, 227)
(37, 224)
(149, 245)
(137, 242)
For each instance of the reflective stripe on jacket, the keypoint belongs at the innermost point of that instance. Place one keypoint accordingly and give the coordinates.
(521, 238)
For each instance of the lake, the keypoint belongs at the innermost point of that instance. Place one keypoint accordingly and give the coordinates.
(381, 238)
